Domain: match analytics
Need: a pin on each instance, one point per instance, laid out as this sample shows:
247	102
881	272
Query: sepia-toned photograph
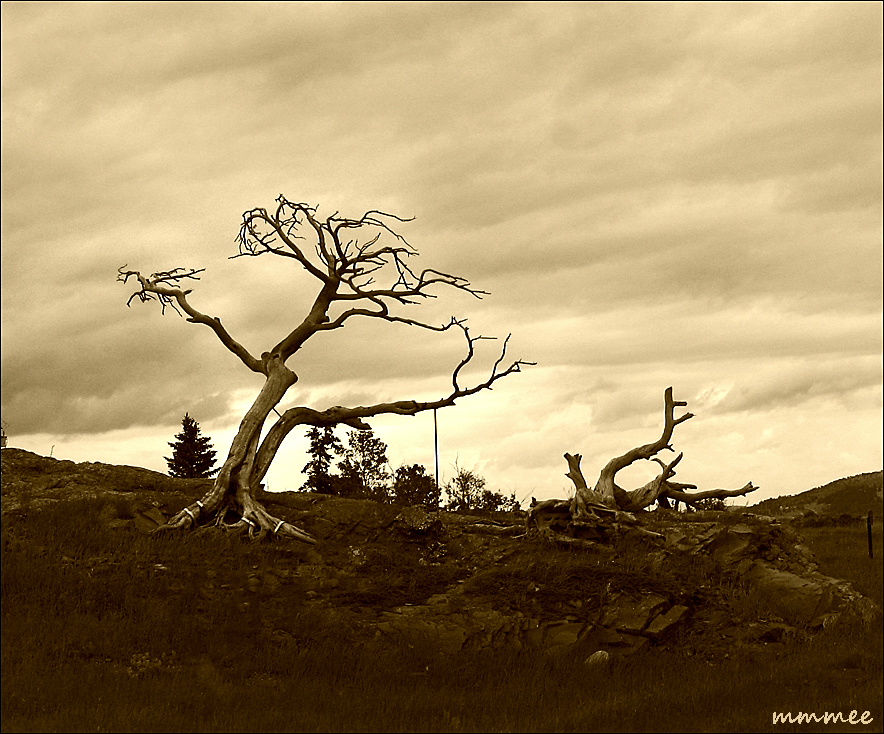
442	366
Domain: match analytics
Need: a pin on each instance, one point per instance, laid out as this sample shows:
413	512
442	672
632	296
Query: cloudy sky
684	194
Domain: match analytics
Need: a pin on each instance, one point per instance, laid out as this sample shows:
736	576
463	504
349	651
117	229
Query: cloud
850	381
685	194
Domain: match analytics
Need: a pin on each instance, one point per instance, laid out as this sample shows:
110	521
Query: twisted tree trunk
346	270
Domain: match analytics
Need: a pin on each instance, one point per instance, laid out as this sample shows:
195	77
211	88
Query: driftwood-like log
661	489
651	492
606	490
584	497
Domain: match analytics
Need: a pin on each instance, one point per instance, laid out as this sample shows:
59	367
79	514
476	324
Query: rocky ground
714	584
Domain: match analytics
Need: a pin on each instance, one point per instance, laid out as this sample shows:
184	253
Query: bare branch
470	352
679	485
606	486
574	472
148	293
355	417
670	422
260	231
347	268
644	496
152	288
674	492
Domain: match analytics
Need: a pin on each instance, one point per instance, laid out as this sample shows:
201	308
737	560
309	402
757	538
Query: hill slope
854	495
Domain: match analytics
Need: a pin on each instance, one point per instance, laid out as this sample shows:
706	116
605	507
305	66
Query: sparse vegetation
108	629
363	472
466	493
854	495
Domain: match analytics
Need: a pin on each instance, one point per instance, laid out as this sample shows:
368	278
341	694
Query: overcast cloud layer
653	194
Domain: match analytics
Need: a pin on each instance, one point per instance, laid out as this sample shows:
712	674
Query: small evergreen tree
192	454
324	446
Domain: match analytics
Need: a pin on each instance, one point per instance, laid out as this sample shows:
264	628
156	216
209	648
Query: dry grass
105	630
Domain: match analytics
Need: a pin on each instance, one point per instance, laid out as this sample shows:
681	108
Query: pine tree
192	454
324	445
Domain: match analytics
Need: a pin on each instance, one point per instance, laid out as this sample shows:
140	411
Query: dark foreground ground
106	628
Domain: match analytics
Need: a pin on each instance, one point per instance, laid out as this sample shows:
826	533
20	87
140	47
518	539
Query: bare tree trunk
239	479
346	269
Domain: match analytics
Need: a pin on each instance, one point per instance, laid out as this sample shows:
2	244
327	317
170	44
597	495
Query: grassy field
110	631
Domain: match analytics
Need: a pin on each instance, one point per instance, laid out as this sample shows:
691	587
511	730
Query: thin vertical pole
436	446
869	526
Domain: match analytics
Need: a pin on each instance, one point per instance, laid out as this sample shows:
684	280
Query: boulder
417	521
560	634
599	659
613	642
810	598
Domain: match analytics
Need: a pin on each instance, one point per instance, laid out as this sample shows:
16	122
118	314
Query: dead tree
346	270
607	498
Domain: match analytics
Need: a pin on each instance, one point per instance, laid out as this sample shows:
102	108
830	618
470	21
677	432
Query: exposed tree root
253	522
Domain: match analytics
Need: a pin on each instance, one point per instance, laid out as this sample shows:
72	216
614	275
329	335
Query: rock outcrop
453	582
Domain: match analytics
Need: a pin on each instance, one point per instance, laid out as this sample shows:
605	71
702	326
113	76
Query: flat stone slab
633	615
665	624
566	633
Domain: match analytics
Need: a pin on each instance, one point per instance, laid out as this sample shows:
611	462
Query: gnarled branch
153	288
606	487
690	498
645	496
355	417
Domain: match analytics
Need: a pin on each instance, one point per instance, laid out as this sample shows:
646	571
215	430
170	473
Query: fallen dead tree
606	502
